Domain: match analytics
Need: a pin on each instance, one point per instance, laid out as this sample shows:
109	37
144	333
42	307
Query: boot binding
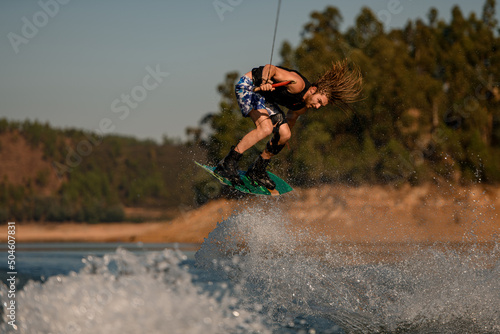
258	175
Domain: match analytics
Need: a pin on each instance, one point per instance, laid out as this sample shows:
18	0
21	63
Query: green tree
430	103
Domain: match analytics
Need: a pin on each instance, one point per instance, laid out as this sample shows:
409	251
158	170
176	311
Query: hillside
430	213
362	214
111	185
24	165
50	174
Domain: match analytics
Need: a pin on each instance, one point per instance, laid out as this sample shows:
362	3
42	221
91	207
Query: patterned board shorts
249	100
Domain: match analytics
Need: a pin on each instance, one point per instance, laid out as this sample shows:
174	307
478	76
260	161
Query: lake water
254	275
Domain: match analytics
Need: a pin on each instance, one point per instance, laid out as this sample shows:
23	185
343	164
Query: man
259	100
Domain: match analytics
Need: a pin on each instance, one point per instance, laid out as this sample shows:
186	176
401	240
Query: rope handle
278	84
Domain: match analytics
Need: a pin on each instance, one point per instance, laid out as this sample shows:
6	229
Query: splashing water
443	289
258	273
125	293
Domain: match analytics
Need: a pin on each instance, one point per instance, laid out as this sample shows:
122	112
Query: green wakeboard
249	187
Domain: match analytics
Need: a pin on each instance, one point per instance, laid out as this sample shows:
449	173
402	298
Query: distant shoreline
339	213
79	232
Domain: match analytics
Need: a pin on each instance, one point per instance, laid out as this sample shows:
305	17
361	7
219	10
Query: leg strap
272	146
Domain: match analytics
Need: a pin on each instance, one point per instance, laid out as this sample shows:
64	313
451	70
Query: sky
150	68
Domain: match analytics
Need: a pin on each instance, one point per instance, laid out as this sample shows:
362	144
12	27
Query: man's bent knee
265	128
285	136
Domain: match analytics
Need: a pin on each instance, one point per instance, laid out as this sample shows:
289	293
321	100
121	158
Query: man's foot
228	167
257	173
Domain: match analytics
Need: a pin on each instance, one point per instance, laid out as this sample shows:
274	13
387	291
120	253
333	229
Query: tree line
430	106
429	112
98	181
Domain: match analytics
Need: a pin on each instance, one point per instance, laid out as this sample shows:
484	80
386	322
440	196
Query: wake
295	275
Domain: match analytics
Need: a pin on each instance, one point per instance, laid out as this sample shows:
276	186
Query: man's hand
266	87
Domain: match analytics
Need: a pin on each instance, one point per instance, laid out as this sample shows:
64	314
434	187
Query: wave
126	293
258	273
295	274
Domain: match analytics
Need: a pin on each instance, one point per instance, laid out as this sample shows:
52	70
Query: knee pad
273	147
278	119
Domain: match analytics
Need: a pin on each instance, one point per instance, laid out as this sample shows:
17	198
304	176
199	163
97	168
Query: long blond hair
341	84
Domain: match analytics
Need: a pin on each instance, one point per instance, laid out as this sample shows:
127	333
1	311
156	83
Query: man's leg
257	171
263	128
228	167
278	142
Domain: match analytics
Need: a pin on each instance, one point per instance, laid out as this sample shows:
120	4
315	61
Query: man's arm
276	74
293	115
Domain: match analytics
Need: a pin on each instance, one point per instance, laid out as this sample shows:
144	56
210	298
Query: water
257	274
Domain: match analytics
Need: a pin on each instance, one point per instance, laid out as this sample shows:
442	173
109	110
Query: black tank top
280	95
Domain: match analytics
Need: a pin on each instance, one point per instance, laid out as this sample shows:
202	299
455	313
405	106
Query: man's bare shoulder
284	75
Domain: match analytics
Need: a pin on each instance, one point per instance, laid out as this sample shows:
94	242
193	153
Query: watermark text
10	306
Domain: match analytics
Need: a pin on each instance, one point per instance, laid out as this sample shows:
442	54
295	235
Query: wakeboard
249	187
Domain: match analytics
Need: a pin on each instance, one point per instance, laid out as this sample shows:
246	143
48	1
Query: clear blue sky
75	63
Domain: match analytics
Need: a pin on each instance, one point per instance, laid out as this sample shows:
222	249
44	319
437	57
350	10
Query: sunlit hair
341	84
